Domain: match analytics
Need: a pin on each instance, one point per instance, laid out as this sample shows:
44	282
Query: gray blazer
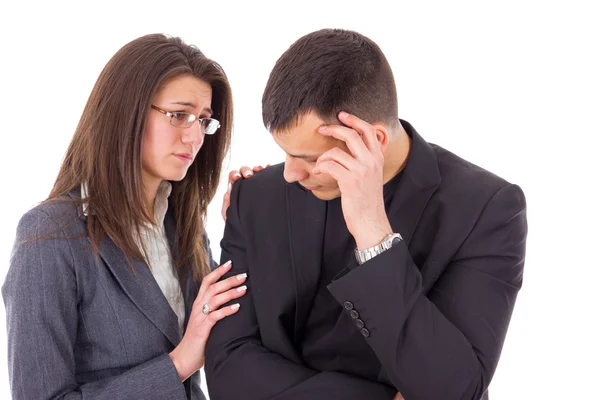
87	327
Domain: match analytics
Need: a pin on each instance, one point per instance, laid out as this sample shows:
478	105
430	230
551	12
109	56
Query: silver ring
206	309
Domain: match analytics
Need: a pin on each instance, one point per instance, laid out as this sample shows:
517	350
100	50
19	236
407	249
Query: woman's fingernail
322	128
344	114
237	175
235	306
241	276
242	288
227	264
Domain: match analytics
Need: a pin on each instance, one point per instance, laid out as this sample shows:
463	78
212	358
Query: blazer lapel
141	287
138	282
306	221
420	180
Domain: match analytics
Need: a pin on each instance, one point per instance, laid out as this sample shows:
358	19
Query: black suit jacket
436	307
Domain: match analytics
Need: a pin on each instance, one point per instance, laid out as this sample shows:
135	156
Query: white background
512	86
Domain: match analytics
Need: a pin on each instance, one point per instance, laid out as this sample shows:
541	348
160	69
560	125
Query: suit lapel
306	221
419	181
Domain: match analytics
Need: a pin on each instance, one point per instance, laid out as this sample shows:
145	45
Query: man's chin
326	194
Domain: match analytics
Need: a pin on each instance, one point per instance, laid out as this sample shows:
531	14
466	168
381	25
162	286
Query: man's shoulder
464	178
262	196
269	180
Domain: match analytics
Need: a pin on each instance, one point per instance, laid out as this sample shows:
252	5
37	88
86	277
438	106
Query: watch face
396	240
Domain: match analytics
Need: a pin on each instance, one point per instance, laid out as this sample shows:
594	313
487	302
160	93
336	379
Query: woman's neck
150	187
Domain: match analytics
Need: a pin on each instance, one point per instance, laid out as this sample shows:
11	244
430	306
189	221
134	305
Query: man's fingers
364	129
339	156
335	170
350	137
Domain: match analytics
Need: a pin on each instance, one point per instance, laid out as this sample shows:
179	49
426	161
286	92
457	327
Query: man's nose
294	170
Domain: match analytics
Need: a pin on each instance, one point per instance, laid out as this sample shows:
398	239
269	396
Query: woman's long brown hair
105	152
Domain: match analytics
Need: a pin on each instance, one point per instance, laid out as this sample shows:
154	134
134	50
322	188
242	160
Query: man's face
303	145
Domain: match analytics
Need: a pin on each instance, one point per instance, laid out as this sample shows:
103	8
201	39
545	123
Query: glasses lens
182	119
210	125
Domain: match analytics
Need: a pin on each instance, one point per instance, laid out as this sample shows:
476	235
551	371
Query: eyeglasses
180	119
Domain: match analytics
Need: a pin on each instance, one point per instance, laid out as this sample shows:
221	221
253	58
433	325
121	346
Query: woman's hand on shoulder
234	175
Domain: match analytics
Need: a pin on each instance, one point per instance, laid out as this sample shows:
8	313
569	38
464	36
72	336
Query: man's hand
360	178
398	396
234	175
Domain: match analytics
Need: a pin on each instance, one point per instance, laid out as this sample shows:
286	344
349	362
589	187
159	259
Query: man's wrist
362	256
370	238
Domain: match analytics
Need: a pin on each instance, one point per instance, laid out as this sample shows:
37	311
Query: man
379	265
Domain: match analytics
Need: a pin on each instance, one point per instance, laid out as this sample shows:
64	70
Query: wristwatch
362	256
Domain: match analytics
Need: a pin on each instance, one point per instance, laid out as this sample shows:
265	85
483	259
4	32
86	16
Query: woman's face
167	150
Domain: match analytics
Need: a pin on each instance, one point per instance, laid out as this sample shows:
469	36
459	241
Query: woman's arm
41	298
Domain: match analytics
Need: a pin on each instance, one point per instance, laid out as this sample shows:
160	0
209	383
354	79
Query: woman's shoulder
45	237
61	214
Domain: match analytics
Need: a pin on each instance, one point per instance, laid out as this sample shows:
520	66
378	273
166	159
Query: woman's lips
184	157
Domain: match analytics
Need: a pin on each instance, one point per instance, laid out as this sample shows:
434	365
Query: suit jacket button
365	332
360	323
354	314
348	306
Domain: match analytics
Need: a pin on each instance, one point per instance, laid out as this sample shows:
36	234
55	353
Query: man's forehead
304	141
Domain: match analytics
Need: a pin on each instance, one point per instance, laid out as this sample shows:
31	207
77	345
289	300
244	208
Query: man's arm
237	364
445	345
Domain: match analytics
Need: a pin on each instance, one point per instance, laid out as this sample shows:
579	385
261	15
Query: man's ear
383	135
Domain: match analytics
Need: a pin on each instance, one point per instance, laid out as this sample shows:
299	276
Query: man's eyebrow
192	105
305	156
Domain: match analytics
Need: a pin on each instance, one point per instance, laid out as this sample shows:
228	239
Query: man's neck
396	154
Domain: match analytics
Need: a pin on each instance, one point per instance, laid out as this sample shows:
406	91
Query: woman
103	278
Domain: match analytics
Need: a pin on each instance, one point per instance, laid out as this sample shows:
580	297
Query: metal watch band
365	255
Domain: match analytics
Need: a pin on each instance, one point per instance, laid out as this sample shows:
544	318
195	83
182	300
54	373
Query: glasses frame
171	114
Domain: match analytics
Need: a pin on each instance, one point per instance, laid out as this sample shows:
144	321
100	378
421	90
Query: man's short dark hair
329	71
